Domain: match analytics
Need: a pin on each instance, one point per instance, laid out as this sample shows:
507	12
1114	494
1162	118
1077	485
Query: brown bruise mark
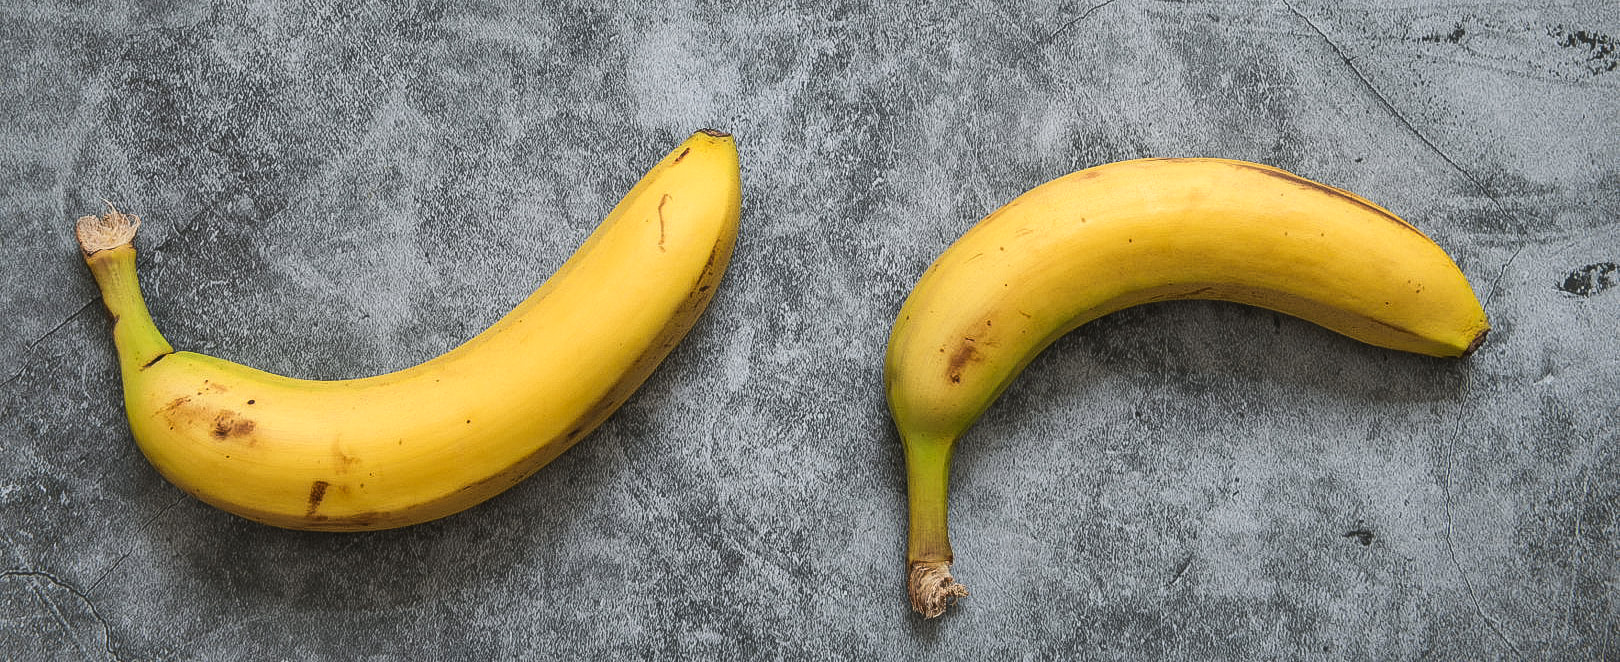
682	155
708	263
358	520
223	424
714	132
661	202
317	492
175	404
341	460
961	358
227	425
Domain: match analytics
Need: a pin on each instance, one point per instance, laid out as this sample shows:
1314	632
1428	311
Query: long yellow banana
1106	238
424	442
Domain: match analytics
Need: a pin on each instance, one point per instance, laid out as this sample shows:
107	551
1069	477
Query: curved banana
424	442
1114	236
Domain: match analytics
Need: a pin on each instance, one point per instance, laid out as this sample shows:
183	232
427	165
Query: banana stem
108	250
930	584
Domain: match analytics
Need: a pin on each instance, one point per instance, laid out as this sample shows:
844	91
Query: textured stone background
339	192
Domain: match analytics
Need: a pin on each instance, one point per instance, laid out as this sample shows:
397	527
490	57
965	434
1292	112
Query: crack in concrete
1399	116
106	628
139	530
1491	293
1451	540
61	621
1072	22
718	541
42	337
1181	571
188	227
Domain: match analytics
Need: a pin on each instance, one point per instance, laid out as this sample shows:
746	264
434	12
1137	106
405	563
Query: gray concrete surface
337	192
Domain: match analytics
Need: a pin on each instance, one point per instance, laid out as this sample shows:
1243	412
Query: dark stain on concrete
1599	51
1590	279
1456	35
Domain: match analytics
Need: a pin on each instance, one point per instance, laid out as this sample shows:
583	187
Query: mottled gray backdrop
340	192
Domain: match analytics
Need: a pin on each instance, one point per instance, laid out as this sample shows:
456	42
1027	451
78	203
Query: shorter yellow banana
1114	236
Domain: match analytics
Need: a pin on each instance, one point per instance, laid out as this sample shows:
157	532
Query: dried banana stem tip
110	230
933	588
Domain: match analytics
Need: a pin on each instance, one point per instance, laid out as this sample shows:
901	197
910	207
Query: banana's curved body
424	442
1114	236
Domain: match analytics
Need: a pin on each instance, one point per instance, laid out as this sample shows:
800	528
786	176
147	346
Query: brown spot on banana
964	355
361	520
341	461
661	202
317	492
227	425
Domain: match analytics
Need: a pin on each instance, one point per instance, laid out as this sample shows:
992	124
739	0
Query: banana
431	440
1117	235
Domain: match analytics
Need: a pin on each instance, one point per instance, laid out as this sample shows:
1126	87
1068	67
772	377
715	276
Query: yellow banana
1106	238
424	442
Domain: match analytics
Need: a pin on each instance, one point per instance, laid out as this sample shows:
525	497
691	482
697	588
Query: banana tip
1478	340
932	588
110	230
715	133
